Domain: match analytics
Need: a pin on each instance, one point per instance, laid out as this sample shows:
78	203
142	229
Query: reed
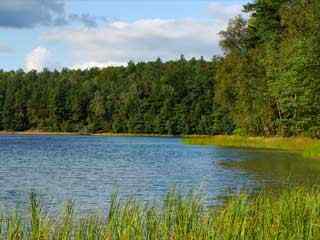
306	146
293	214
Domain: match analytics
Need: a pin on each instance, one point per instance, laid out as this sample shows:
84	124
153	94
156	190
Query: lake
87	169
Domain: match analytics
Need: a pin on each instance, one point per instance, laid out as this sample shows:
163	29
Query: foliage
268	80
162	98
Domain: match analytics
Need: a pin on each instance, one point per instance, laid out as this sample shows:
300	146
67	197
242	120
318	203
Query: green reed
291	214
307	146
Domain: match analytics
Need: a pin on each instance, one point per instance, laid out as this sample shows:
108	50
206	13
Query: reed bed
293	214
306	146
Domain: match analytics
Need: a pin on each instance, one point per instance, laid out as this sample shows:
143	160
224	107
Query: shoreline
44	133
307	147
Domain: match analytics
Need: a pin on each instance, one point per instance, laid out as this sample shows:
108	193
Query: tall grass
293	214
307	146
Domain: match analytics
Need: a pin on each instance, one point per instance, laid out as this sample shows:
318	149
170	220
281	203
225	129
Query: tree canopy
269	81
175	97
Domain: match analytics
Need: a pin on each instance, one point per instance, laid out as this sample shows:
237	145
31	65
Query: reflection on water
87	169
277	168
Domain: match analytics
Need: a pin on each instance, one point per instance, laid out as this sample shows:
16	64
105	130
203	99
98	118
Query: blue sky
79	34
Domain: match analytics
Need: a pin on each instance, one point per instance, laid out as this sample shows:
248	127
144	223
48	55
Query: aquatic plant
307	146
291	214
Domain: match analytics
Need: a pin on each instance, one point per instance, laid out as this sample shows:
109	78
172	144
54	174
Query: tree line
174	97
266	83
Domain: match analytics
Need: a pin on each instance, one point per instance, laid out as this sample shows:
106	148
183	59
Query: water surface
87	169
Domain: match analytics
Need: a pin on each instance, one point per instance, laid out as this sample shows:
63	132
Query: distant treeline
166	98
266	83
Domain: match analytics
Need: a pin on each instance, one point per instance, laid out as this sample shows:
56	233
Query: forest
162	98
269	79
267	82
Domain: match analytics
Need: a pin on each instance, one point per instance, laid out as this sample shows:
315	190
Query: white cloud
222	12
89	65
38	59
141	40
118	42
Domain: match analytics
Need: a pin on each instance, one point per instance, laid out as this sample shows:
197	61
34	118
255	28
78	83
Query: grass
293	214
307	146
313	151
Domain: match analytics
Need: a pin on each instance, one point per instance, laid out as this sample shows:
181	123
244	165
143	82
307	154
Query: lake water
87	169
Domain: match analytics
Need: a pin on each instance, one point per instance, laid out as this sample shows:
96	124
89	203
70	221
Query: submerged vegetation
293	214
307	146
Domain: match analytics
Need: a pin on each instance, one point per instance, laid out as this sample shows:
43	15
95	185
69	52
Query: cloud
140	40
222	12
145	39
38	59
86	19
4	49
88	65
32	13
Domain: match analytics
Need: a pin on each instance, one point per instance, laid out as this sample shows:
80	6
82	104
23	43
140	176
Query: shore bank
30	133
2	133
308	147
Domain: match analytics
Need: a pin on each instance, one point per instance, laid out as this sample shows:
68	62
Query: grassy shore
294	214
306	146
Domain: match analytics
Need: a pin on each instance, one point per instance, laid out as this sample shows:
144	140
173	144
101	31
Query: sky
80	34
